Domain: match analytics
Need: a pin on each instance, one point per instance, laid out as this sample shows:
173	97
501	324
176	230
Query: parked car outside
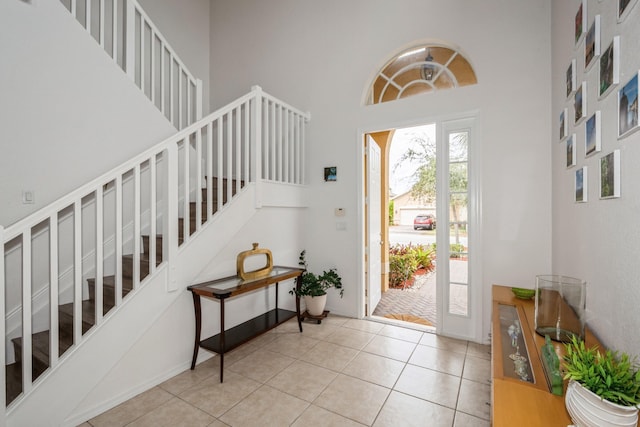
426	221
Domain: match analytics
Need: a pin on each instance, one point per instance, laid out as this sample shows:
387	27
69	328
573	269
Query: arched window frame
440	70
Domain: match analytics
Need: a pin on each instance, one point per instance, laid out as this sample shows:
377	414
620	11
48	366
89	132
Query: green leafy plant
316	285
424	256
405	260
456	250
611	375
401	268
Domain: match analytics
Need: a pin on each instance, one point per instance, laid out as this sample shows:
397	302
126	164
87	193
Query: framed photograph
624	7
592	44
331	174
610	67
592	135
628	107
571	151
581	21
580	103
571	78
610	175
563	124
581	187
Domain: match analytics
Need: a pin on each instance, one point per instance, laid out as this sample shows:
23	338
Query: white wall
67	112
185	25
598	241
166	348
320	56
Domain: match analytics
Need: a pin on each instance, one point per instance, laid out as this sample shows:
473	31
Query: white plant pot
587	409
315	305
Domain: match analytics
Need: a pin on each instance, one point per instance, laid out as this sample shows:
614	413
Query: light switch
28	197
339	212
341	226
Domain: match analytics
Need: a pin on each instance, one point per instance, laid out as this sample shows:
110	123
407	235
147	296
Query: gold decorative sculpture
255	274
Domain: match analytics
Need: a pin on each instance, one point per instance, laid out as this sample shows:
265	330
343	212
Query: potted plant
314	287
604	388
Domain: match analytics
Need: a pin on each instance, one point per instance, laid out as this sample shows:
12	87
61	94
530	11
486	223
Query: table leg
198	312
298	283
222	343
277	303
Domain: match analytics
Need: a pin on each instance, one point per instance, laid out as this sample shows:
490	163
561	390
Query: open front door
374	226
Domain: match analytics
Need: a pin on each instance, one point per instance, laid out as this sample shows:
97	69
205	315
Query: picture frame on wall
331	174
581	21
563	125
592	140
581	194
592	44
610	67
571	151
571	78
580	103
624	8
610	175
628	107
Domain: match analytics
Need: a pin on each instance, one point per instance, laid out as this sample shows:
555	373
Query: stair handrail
134	46
251	119
14	229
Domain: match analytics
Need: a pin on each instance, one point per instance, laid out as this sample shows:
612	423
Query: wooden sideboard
516	402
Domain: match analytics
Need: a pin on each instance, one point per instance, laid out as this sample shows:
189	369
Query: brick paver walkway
420	299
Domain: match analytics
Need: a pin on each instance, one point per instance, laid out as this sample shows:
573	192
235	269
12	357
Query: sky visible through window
401	178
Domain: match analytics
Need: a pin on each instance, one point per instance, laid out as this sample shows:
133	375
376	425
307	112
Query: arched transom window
420	70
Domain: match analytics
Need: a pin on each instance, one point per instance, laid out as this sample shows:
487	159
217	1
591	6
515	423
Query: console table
232	286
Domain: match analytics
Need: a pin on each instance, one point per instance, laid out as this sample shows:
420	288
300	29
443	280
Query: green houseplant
610	381
314	287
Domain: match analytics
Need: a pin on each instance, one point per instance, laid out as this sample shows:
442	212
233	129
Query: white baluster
152	213
209	169
170	219
130	39
220	170
53	290
136	226
118	243
27	331
185	202
98	284
77	269
198	179
238	136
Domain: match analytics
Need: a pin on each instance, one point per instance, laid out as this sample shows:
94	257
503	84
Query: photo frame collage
587	118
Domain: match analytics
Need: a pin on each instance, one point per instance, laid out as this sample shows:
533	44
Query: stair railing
132	40
94	233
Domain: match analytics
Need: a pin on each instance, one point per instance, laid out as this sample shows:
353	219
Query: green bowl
523	293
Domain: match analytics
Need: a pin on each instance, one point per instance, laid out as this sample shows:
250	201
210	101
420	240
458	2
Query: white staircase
116	249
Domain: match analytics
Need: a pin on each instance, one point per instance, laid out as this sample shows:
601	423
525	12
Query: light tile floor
344	372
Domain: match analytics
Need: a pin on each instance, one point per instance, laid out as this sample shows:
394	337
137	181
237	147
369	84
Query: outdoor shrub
404	260
401	268
456	250
424	256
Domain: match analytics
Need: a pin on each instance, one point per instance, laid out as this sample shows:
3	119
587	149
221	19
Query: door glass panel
458	201
458	299
458	147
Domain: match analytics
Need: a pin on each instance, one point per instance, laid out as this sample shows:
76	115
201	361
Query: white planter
587	409
315	305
